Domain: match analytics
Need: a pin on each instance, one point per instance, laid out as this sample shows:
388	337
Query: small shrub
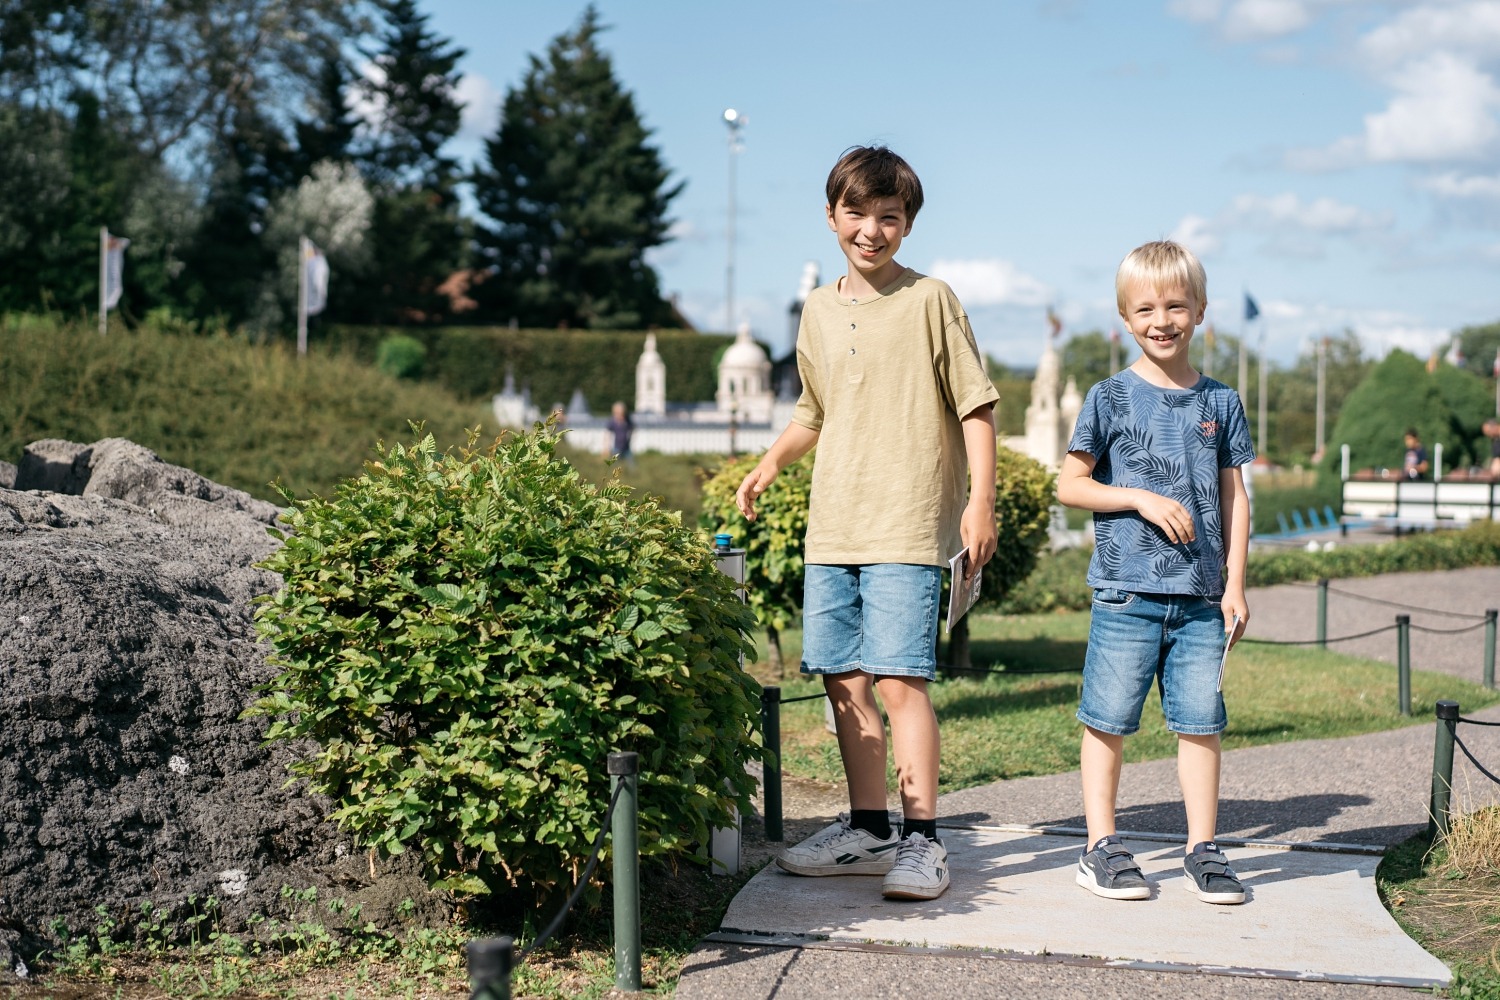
401	356
772	542
1058	583
1476	545
465	638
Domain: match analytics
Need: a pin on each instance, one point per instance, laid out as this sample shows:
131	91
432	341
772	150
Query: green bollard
1439	808
624	770
1489	648
1403	663
770	727
490	964
1323	613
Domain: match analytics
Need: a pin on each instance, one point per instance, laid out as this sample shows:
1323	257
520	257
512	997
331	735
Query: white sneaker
840	850
920	872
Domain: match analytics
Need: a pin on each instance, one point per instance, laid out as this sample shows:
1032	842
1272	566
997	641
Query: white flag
114	269
314	279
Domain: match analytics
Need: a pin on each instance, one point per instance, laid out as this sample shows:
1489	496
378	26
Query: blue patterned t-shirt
1172	442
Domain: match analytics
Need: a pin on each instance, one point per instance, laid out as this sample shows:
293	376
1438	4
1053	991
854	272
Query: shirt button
851	326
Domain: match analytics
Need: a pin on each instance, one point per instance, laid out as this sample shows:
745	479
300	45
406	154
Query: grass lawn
1447	897
1018	721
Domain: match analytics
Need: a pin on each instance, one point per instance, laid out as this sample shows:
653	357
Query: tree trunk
958	646
773	655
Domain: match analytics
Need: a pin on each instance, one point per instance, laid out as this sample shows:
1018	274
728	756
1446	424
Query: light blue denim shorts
881	619
1174	639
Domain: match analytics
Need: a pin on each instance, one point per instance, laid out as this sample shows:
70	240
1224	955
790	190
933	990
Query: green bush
772	542
1476	545
401	356
1024	494
465	638
1058	583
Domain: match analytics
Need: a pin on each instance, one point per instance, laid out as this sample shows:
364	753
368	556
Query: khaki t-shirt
885	381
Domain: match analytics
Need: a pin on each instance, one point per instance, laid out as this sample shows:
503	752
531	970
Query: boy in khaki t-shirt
896	398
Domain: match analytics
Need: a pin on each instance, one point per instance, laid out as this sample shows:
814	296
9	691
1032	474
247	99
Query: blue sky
1338	159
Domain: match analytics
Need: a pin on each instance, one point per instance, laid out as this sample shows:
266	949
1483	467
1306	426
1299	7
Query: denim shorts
1175	639
881	619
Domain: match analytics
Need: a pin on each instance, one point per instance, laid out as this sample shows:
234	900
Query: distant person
1492	431
895	396
1156	455
1414	466
621	428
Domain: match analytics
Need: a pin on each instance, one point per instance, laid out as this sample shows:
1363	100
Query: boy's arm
1234	516
792	444
1076	487
977	529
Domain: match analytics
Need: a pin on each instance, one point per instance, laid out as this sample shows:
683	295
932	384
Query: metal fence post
624	770
770	726
490	964
1323	613
1440	807
1403	663
1489	647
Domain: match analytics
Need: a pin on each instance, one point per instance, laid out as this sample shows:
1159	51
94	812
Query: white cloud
1198	234
991	282
1297	226
1197	11
481	101
1443	111
1471	29
1258	20
1453	185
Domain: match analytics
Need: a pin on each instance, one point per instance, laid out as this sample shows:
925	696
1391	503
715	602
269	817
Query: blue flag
1251	309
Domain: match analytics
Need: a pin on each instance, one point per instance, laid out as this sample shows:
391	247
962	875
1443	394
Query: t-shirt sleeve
969	386
1089	432
1235	448
809	409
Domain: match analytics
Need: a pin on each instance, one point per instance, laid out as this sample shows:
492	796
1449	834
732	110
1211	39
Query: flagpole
103	279
1322	397
302	295
1260	443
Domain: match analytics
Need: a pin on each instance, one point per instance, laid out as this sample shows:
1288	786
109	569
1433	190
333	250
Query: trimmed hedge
471	361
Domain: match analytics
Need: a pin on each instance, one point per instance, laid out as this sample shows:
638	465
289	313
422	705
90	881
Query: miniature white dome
744	354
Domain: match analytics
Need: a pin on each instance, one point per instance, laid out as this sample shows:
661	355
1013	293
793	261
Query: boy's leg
861	735
1195	712
1124	650
1099	766
916	743
1198	772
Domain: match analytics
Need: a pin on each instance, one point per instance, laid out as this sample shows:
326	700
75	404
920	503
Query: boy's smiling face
869	235
1162	321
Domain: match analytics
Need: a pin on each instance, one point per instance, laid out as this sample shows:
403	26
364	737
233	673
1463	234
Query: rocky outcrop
128	655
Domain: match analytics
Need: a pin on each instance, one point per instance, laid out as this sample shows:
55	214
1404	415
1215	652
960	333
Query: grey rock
127	655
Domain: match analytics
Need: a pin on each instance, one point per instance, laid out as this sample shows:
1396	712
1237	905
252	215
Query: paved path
993	935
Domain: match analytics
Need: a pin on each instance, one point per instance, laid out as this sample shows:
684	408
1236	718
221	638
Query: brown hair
865	173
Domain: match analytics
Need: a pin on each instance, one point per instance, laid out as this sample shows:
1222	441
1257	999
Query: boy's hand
754	485
1167	514
977	529
1234	604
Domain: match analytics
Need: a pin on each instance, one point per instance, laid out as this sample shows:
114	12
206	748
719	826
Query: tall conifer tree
577	196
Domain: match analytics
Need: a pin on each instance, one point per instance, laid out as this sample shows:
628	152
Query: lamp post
735	121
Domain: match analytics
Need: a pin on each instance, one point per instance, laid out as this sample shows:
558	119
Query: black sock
876	822
926	827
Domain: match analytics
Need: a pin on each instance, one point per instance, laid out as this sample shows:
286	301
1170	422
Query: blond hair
1162	264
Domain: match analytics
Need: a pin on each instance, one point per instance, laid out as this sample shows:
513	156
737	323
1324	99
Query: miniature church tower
1050	419
651	380
745	381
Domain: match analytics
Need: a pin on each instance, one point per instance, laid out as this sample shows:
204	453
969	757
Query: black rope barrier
1448	631
1314	642
1477	722
1404	607
805	697
1458	742
583	882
